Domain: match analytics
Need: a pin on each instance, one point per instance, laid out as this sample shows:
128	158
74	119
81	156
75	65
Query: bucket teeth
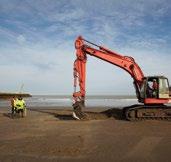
78	114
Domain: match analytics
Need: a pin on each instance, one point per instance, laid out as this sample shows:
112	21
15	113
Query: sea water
66	101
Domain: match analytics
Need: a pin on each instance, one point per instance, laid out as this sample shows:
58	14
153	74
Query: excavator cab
155	87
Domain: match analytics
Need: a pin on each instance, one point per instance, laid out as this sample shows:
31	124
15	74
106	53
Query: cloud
37	41
21	39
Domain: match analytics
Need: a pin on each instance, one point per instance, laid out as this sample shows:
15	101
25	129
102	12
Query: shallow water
66	101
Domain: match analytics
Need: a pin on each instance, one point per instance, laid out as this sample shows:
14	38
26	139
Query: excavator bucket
78	114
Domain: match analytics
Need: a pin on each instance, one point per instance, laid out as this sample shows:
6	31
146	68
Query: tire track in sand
145	147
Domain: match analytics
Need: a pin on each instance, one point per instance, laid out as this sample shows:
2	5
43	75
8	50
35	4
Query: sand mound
115	113
90	115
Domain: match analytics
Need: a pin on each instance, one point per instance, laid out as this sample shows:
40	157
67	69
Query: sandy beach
53	135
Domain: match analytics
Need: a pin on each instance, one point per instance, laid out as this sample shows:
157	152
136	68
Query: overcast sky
37	42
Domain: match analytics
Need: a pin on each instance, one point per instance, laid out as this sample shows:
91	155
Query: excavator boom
127	63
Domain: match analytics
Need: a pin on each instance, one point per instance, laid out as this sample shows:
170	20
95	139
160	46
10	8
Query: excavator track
147	112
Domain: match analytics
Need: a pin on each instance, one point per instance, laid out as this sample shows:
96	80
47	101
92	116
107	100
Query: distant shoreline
9	95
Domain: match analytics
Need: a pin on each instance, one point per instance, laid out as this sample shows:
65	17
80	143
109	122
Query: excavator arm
83	49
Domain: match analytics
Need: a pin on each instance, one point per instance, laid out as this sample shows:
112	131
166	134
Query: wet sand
53	135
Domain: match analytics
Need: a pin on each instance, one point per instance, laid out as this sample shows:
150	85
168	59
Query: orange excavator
153	92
